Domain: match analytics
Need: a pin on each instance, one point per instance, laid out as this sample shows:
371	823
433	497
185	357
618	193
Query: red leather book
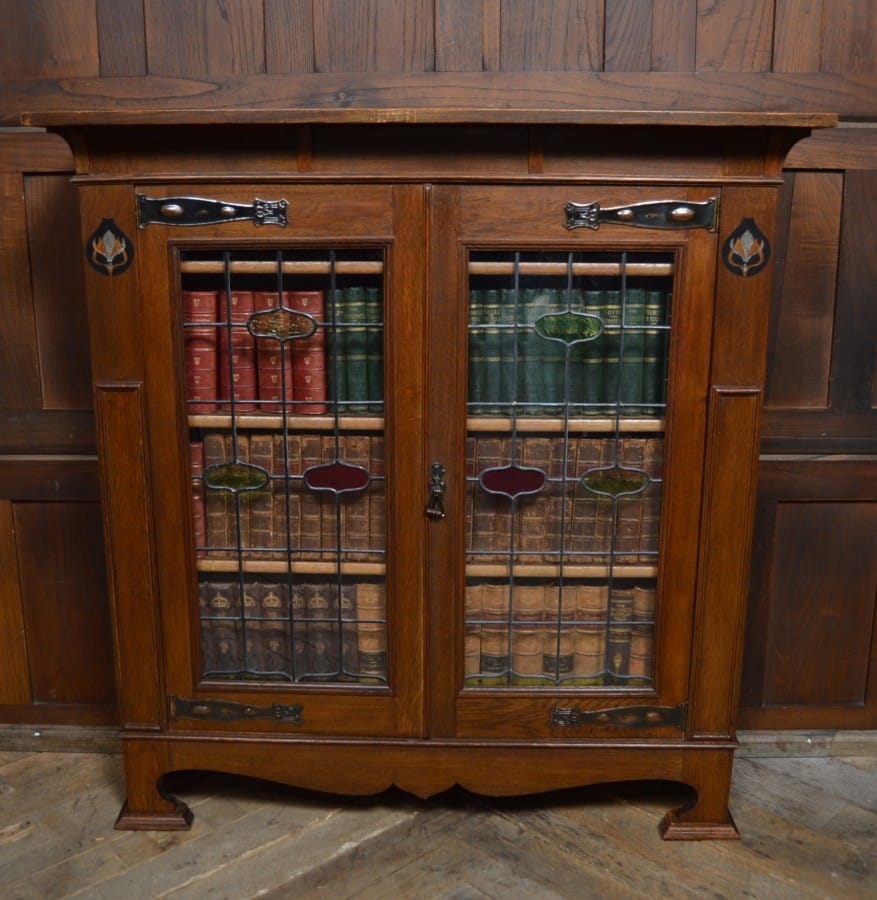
200	350
310	387
237	351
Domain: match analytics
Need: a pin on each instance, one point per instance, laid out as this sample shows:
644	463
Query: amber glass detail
568	327
513	481
337	477
616	481
235	476
281	324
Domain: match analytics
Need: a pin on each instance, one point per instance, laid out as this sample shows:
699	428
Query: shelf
297	567
553	570
270	267
273	422
563	269
540	425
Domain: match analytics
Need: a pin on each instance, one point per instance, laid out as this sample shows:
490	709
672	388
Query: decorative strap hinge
204	211
621	716
229	711
660	214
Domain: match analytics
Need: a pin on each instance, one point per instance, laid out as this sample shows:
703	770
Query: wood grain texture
65	602
818	653
289	28
58	291
121	33
804	307
372	36
566	35
628	36
850	36
204	38
674	28
734	35
460	35
19	365
15	686
798	35
55	38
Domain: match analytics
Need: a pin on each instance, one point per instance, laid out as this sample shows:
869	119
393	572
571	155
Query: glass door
578	532
296	599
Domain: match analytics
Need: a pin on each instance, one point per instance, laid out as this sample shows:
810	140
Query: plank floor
809	829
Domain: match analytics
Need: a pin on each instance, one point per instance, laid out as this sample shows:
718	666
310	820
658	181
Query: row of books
588	634
285	516
565	519
303	631
597	351
275	354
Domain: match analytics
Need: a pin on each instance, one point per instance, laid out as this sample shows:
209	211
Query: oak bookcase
428	451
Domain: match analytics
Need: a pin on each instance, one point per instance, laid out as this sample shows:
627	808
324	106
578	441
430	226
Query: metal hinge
204	211
660	214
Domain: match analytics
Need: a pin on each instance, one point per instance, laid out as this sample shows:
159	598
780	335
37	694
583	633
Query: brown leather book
200	343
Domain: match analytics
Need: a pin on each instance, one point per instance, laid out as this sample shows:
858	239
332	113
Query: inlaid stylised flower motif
746	250
108	249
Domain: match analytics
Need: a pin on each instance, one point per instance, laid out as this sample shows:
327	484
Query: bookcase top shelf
288	267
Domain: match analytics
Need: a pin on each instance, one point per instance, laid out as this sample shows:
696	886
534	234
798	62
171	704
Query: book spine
533	350
508	363
311	507
554	352
237	447
477	360
491	515
324	658
610	345
276	650
592	607
642	635
356	513
286	494
355	344
654	352
216	502
371	631
261	501
331	505
472	629
237	352
299	628
528	633
199	508
495	662
224	616
591	358
620	615
632	342
533	512
251	627
629	507
650	525
374	313
557	500
491	344
349	632
558	656
377	500
273	363
310	384
200	309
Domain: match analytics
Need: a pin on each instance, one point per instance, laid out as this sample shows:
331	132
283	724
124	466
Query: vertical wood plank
797	44
48	39
289	36
850	37
58	291
204	37
459	35
492	35
853	369
374	36
674	28
801	359
15	689
19	372
121	33
566	35
65	601
734	35
628	36
824	585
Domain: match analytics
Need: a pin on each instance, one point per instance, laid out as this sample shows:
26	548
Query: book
472	629
374	314
356	512
508	362
223	649
261	502
217	503
558	657
323	636
655	355
310	502
273	362
477	363
200	350
287	494
528	633
532	531
377	500
237	352
492	348
491	513
199	508
631	351
495	662
371	631
629	507
251	628
619	631
276	636
310	384
642	635
592	608
650	513
590	358
354	352
610	348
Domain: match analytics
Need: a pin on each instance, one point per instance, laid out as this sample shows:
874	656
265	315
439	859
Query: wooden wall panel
14	681
811	641
798	31
628	42
674	28
566	35
460	34
121	33
289	36
203	37
58	292
850	36
64	592
19	371
48	39
805	276
734	35
373	36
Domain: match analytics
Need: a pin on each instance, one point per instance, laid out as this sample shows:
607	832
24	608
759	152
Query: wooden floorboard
809	829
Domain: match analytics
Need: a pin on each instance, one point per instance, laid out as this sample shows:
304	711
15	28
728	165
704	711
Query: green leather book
590	358
654	352
477	362
554	352
610	345
374	313
532	351
632	337
356	349
508	368
492	351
